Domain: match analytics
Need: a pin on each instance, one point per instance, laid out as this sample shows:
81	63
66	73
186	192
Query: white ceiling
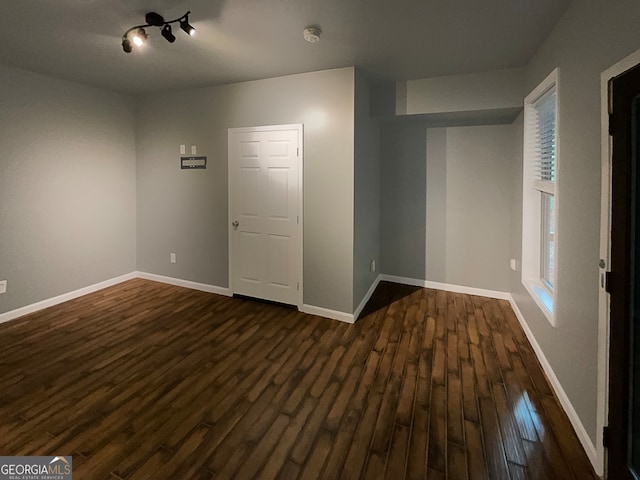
240	40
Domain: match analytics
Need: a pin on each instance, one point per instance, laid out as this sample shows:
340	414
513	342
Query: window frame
533	192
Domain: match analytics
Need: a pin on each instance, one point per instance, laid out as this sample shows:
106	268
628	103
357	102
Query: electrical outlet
513	264
194	150
172	258
373	265
183	149
3	286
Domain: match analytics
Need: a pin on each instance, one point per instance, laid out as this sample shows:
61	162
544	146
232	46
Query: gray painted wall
436	235
446	204
474	202
67	187
592	36
366	220
186	211
403	209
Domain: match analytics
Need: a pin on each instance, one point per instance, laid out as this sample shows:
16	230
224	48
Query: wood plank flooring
145	380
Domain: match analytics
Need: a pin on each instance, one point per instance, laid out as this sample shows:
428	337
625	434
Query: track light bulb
168	34
139	37
184	25
126	45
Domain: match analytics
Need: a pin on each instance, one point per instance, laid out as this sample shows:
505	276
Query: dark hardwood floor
145	380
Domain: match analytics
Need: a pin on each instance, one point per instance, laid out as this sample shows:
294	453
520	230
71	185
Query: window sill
543	298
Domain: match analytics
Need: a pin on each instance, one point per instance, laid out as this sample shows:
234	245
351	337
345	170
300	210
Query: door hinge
298	219
609	279
298	287
606	437
298	152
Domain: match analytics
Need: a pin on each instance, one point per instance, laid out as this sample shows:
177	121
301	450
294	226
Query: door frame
605	254
270	128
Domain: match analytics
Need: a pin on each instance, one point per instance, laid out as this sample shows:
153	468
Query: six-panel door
265	232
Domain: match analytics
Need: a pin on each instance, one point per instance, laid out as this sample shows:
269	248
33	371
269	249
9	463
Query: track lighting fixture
136	36
184	25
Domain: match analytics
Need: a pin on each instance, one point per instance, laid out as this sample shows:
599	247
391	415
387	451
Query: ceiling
239	40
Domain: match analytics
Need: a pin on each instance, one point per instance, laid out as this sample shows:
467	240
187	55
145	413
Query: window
539	199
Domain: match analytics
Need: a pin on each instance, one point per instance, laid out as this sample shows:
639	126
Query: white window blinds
542	125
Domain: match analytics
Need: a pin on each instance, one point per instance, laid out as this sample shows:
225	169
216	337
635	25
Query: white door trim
605	254
271	128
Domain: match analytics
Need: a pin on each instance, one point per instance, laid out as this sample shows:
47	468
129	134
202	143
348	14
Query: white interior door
265	239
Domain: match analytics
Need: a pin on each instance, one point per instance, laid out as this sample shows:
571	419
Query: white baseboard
50	302
583	436
366	298
342	316
327	313
65	297
480	292
309	309
185	283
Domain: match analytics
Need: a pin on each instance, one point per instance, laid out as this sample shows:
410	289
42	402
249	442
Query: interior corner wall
366	231
403	200
67	187
185	211
590	37
446	204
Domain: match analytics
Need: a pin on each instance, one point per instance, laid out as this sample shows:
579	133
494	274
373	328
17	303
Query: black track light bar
136	36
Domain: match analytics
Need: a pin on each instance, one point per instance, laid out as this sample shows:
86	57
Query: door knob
235	224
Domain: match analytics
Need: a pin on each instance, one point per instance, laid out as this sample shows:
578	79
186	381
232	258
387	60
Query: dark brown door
624	284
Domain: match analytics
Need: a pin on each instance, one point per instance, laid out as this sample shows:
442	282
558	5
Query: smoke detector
312	34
